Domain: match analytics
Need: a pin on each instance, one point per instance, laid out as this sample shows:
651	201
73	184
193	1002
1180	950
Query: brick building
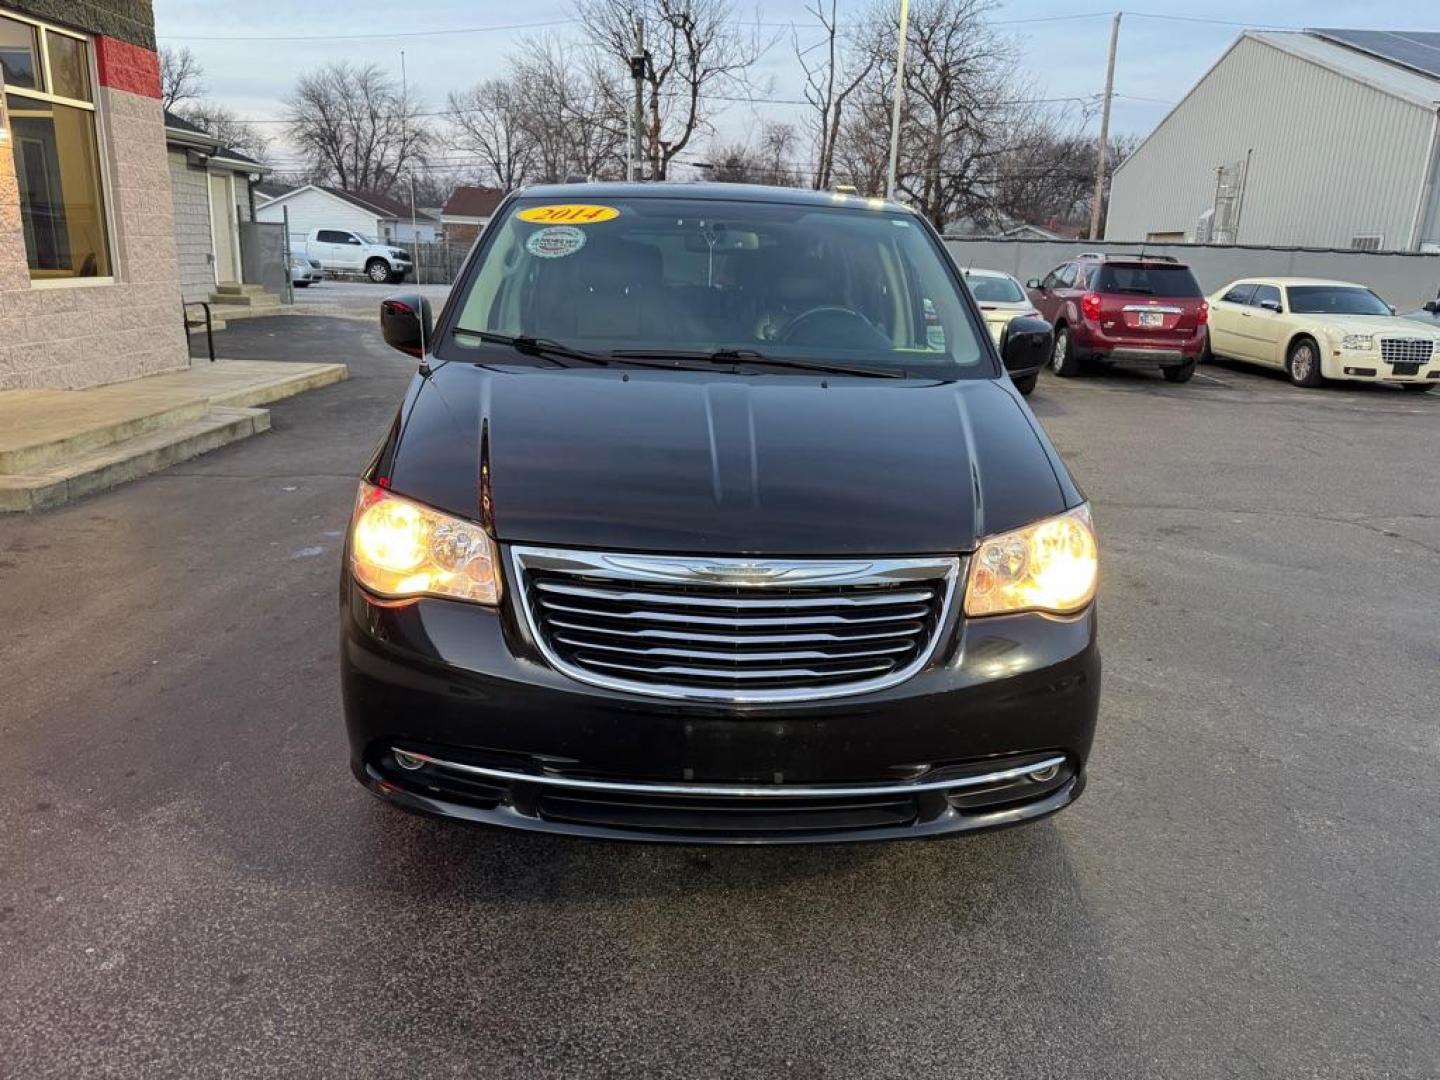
89	286
467	212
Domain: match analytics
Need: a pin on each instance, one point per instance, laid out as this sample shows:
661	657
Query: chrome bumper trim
784	791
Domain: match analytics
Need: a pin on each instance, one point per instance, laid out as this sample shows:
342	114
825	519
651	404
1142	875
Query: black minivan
712	516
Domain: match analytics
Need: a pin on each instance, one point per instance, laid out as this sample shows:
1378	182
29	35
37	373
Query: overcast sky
249	64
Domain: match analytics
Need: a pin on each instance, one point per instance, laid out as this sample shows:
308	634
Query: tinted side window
1240	294
1263	293
330	236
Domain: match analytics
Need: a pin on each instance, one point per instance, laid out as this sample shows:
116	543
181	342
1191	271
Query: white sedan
1001	298
1315	330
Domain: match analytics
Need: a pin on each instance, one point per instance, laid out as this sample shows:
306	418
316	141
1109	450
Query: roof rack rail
1146	255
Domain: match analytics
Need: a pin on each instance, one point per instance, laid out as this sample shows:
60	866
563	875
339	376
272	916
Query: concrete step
67	425
261	299
234	288
146	453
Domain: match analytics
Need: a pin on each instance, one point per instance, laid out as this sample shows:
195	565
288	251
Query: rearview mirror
1025	345
406	323
1034	283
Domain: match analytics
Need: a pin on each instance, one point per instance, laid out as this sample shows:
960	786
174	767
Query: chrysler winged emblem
739	572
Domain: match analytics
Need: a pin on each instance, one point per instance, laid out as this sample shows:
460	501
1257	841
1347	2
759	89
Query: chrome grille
1406	350
741	630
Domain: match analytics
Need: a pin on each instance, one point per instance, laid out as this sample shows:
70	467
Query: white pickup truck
345	252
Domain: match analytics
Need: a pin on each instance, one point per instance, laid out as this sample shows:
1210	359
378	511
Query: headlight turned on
402	550
1050	566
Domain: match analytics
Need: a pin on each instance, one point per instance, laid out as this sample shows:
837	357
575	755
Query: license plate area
1405	369
1151	320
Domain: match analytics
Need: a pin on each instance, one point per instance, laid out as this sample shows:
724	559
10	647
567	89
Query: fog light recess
1045	775
408	761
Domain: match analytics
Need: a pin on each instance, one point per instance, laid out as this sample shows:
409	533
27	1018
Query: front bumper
503	739
1365	365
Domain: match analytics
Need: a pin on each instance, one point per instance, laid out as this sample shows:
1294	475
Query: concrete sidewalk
57	445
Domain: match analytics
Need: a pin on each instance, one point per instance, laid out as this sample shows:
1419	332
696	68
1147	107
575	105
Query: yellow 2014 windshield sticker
568	214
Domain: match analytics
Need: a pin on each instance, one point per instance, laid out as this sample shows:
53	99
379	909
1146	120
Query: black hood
640	460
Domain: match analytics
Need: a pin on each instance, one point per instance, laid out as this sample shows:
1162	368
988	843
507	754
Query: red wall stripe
132	68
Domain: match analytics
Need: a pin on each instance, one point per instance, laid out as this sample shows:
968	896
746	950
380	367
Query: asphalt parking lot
191	884
358	297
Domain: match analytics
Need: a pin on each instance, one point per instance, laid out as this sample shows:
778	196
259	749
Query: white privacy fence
1405	279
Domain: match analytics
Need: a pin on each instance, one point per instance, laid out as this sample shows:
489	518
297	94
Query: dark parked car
695	526
1138	311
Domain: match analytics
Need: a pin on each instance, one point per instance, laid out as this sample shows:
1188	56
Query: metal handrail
188	323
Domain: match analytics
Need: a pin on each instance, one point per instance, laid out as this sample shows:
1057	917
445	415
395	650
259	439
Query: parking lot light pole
636	169
1102	157
899	97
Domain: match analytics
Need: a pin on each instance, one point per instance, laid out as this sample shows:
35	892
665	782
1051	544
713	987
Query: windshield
994	290
688	277
1147	280
1335	300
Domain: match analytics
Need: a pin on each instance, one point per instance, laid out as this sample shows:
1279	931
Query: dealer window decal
568	214
555	242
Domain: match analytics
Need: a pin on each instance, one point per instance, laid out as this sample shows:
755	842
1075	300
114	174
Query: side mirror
1025	345
1271	305
1432	306
406	323
1034	283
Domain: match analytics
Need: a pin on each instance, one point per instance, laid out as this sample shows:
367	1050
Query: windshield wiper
533	346
731	356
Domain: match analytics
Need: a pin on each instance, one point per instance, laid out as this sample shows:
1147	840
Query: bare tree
696	54
491	121
182	90
350	125
182	78
1047	176
835	68
960	102
576	120
778	143
734	163
228	129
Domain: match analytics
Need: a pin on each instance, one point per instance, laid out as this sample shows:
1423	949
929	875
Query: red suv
1142	311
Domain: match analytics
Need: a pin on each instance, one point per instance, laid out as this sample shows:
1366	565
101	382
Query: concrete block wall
82	334
1405	279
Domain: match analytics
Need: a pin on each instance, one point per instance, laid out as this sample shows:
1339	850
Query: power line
760	23
729	98
356	37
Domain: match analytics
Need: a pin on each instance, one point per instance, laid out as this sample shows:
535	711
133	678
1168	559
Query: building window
1368	242
51	109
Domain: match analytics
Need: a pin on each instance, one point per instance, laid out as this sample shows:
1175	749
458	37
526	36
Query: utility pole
1102	158
638	63
899	98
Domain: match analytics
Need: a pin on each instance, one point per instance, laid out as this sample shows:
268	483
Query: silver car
304	271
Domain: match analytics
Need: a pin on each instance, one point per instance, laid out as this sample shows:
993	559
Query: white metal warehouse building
1316	138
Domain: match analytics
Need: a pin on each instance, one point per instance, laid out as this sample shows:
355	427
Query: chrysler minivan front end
692	528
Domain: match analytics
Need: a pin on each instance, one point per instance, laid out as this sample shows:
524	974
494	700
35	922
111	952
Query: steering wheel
833	326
